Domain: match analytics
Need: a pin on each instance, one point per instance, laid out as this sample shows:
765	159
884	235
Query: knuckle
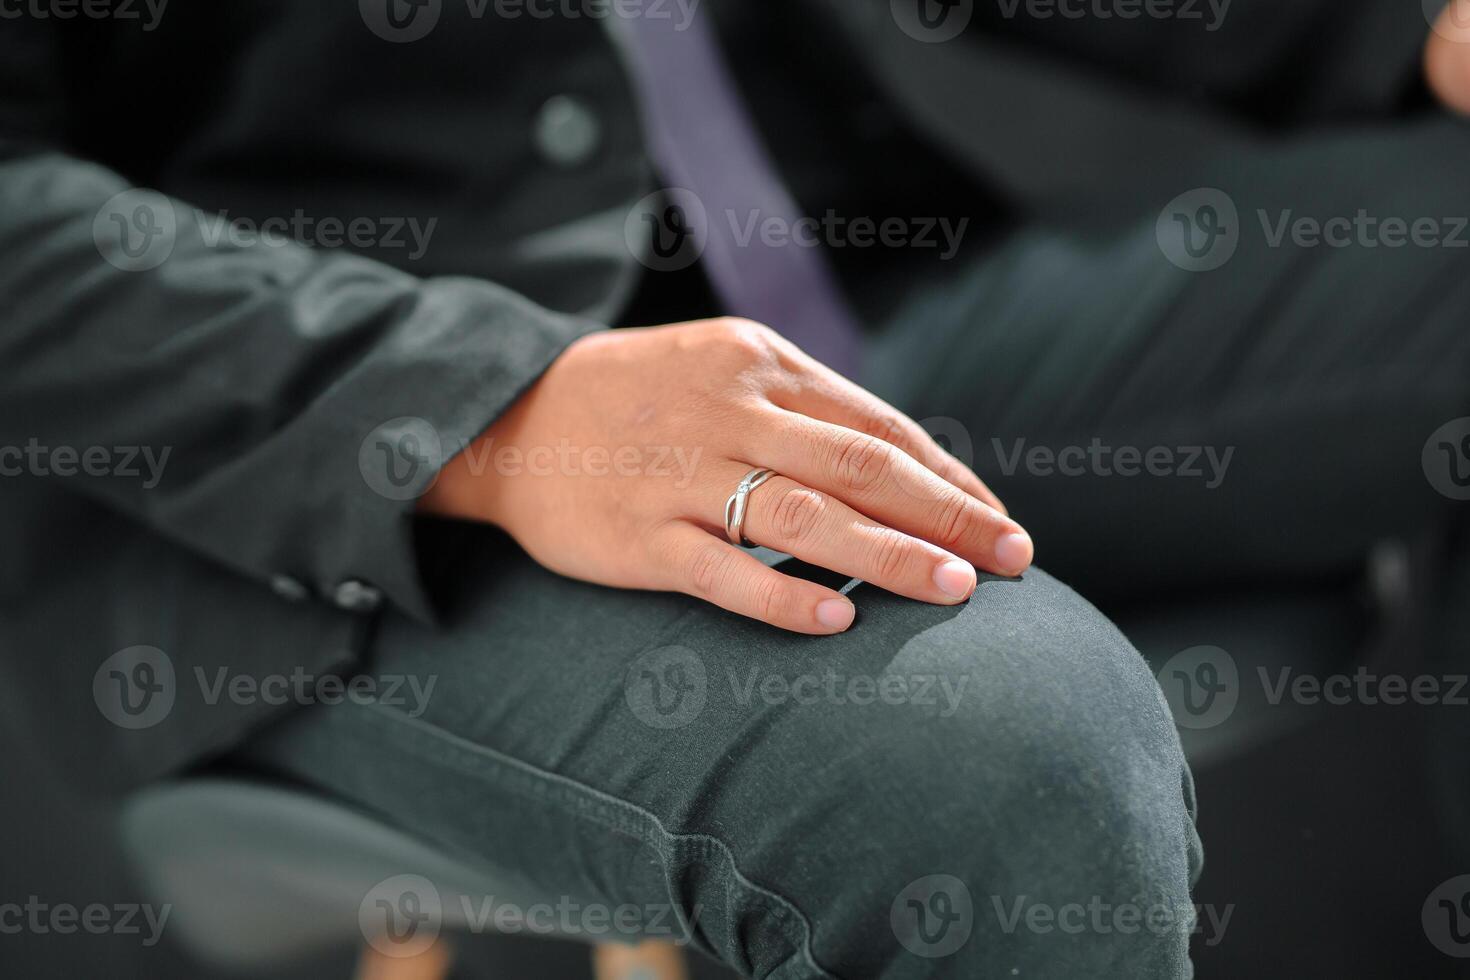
664	551
771	599
741	326
744	337
797	513
861	462
706	569
887	426
890	556
959	474
956	521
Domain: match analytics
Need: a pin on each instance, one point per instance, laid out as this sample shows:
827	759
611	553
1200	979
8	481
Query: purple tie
704	141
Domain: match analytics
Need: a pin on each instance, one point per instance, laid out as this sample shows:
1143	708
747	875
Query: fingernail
1013	552
955	578
835	614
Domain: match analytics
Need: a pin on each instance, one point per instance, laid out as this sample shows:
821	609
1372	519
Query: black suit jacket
267	371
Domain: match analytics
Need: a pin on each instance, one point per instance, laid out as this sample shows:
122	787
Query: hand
616	465
1447	57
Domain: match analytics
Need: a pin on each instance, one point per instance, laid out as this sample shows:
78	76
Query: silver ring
735	506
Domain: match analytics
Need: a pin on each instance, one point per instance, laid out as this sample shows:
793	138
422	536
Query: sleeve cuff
463	355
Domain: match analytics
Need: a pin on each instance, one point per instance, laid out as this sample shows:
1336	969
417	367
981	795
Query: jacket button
567	131
288	588
355	596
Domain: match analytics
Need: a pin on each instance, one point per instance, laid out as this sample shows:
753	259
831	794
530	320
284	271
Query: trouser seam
588	802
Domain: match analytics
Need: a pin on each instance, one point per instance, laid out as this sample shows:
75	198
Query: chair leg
650	960
431	964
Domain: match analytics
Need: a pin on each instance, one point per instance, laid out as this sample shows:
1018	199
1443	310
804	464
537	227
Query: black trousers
939	792
1300	394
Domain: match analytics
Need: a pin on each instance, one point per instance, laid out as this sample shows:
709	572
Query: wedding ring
735	506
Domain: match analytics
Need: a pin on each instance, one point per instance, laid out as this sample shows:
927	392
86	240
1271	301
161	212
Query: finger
822	393
828	396
885	483
708	568
822	530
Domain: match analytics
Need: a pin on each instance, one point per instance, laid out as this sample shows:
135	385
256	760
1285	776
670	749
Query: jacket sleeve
274	407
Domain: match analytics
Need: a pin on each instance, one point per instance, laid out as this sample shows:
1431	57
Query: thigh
1263	413
776	794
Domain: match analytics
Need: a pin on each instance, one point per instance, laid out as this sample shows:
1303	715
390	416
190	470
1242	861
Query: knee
1053	728
1071	806
1025	710
1033	775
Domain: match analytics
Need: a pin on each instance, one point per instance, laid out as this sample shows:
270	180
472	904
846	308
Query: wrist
465	491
